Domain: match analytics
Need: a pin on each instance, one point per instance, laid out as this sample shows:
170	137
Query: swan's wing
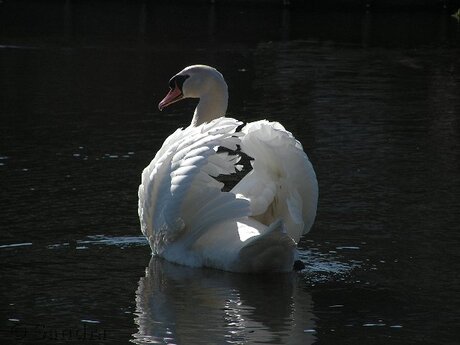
282	183
178	197
154	181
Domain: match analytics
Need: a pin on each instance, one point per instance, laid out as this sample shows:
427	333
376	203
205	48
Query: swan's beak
173	96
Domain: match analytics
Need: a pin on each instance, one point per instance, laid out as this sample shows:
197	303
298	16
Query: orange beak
173	96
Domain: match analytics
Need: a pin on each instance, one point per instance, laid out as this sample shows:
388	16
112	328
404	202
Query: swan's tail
282	183
272	251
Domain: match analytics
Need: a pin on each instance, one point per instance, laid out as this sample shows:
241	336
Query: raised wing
282	184
178	197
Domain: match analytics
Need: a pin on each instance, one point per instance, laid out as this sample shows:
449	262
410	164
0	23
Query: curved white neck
212	105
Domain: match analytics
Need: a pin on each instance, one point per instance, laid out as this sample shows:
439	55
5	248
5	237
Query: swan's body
184	213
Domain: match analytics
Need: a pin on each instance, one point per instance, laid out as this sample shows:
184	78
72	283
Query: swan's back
189	220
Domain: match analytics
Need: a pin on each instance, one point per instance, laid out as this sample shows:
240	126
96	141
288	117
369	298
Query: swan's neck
212	105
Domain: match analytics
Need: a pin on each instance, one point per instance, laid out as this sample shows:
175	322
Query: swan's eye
172	83
178	81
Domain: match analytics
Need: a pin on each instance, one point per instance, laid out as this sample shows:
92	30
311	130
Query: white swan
183	211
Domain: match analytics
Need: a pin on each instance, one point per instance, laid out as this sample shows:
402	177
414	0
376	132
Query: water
373	97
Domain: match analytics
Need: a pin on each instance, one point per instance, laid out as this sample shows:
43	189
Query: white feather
177	197
189	220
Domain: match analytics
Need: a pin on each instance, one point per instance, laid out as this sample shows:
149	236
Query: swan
184	213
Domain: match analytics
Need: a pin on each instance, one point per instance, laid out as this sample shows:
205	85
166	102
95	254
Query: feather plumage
189	220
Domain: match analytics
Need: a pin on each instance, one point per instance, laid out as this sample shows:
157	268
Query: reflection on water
180	305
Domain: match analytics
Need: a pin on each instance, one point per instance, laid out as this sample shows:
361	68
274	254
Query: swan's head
197	81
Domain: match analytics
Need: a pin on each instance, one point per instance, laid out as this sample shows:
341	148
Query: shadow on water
180	305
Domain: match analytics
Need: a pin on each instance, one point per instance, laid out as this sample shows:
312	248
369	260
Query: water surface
373	97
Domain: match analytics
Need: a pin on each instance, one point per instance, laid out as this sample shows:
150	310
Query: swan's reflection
181	305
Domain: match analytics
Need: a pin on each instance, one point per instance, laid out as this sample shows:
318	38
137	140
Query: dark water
373	97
